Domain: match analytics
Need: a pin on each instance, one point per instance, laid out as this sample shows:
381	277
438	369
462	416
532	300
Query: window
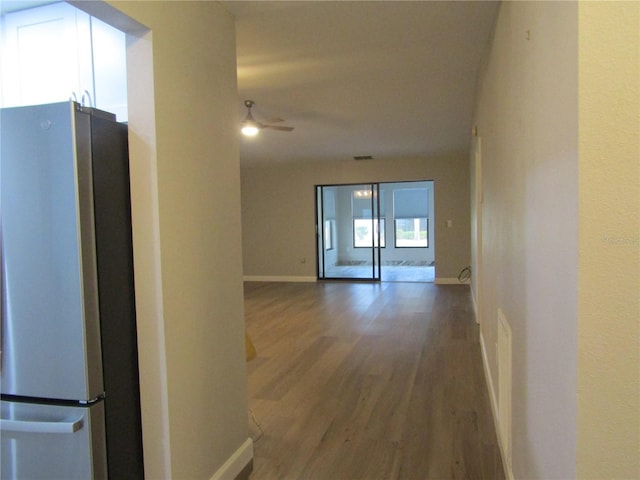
365	232
412	232
329	234
410	212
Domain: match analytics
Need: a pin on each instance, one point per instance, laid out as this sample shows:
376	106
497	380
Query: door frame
476	227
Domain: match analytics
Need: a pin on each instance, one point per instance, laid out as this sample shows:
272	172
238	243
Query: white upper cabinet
109	68
46	55
57	52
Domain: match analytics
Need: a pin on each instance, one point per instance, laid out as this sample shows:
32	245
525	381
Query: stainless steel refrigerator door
52	442
50	324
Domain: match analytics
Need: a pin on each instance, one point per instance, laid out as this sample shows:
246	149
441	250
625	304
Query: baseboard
494	406
278	278
237	463
246	472
449	281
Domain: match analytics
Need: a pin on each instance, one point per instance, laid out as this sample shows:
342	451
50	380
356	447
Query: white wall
527	118
278	224
558	118
608	443
186	221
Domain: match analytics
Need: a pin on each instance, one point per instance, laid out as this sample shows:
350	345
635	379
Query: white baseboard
449	281
279	278
236	462
494	406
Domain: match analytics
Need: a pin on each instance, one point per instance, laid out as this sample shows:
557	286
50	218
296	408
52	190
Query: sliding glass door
350	231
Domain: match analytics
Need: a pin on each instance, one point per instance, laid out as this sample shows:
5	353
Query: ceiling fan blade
277	127
274	120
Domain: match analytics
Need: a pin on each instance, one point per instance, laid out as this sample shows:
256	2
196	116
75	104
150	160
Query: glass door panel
350	231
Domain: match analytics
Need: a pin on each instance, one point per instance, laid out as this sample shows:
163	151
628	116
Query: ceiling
390	79
8	6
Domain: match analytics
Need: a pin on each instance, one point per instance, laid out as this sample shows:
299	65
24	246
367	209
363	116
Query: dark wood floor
367	381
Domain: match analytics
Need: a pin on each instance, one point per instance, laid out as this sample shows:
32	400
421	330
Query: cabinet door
46	55
109	68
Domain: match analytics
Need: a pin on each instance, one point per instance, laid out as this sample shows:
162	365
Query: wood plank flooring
367	381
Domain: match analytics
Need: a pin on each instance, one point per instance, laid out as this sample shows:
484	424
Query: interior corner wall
527	118
609	264
187	248
278	204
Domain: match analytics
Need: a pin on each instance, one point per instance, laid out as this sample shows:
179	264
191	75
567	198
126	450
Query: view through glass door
377	231
350	231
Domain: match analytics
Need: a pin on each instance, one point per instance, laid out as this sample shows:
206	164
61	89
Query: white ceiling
391	79
8	6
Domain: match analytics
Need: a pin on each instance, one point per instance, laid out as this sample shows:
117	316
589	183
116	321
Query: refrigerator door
52	442
50	321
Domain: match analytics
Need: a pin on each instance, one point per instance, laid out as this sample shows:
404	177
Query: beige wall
527	118
558	116
278	205
186	220
609	241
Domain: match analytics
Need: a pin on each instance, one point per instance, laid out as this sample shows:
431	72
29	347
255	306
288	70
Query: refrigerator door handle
31	426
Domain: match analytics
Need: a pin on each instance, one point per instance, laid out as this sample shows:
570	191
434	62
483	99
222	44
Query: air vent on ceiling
363	157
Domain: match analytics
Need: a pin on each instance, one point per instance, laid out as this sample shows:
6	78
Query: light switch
449	223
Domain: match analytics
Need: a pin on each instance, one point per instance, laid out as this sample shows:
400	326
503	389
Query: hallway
367	381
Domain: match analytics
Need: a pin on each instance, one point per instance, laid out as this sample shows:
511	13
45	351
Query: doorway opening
131	98
376	231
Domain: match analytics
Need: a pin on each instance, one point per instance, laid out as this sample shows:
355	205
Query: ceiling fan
251	127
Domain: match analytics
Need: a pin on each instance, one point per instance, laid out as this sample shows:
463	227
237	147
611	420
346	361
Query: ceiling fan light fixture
249	130
362	194
251	127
